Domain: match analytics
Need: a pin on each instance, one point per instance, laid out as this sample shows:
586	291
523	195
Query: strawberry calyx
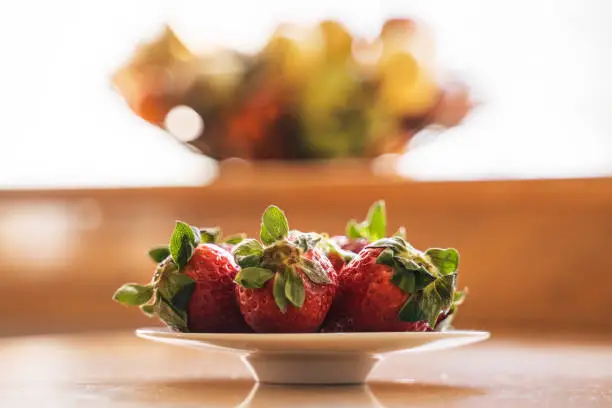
329	247
446	319
373	228
170	289
280	255
208	235
428	277
214	235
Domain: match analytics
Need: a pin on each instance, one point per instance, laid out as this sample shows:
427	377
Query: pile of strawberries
290	281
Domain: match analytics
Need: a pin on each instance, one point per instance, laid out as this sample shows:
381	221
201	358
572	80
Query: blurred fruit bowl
315	92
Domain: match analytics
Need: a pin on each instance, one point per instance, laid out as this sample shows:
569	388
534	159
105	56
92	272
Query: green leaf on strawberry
438	296
459	297
428	303
214	235
176	319
265	236
133	294
314	271
329	247
446	320
410	264
409	271
401	232
250	261
183	241
294	289
197	236
306	241
278	291
210	235
405	281
386	257
148	310
274	225
397	244
373	228
248	253
446	260
377	221
168	294
176	288
354	231
234	239
411	311
159	253
253	277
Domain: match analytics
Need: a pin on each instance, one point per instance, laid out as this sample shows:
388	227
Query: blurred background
484	126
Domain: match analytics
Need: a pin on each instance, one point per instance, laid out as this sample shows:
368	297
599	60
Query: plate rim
165	332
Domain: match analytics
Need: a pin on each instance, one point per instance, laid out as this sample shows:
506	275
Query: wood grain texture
534	254
119	370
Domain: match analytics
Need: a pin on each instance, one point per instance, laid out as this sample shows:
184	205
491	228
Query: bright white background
543	69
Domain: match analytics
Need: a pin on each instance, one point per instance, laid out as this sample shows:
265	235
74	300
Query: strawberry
340	249
286	284
336	255
391	286
192	288
354	245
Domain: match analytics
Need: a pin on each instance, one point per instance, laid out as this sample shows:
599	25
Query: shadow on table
245	393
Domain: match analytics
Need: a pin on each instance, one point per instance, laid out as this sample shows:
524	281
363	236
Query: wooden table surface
119	370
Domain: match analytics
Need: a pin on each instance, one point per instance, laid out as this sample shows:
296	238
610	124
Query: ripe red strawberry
354	245
192	288
212	306
336	255
336	260
390	286
286	286
358	235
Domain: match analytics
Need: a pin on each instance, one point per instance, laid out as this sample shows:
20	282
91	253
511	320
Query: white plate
315	358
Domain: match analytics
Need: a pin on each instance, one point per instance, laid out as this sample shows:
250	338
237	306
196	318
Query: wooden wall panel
535	254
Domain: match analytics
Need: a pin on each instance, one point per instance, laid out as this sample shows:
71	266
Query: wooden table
119	370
